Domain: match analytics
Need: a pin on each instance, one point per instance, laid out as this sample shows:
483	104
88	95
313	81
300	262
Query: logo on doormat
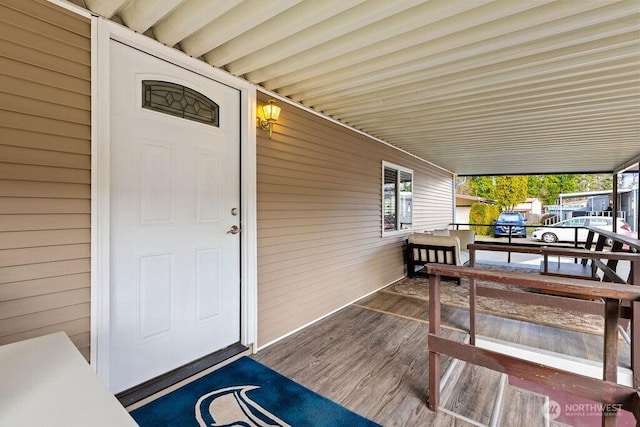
231	406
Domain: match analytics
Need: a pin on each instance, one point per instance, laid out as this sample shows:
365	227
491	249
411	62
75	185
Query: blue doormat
245	393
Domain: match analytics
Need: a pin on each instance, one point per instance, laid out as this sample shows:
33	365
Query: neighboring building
597	203
463	208
531	209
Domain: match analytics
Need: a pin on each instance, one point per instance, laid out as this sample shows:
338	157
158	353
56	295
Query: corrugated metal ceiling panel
475	86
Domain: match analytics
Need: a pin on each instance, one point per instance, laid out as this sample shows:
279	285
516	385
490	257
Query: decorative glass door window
179	101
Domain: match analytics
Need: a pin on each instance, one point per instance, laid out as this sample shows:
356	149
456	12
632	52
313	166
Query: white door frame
102	32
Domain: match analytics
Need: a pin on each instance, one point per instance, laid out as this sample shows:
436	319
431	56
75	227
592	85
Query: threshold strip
159	385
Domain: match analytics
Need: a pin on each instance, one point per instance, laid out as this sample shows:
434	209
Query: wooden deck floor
373	363
372	358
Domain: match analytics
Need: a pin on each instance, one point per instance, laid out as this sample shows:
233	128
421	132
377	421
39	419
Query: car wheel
609	242
549	238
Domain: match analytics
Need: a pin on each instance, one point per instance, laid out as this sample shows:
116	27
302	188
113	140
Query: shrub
482	213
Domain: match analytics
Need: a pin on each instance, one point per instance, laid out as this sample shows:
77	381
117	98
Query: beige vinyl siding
45	172
319	218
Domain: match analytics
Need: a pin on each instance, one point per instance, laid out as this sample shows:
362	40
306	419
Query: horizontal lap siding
45	172
319	218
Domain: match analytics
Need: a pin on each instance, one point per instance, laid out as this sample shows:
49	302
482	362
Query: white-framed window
397	199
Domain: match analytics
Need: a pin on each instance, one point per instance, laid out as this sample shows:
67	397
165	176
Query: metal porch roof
475	86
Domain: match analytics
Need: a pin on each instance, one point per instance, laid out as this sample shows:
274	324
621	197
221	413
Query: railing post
610	358
587	245
634	279
509	253
635	343
472	299
434	329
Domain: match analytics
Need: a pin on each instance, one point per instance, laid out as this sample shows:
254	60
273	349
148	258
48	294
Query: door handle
234	229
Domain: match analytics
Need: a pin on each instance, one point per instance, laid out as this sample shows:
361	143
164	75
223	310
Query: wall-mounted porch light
270	113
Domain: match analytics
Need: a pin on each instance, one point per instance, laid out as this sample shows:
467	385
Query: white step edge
496	413
559	361
446	376
461	417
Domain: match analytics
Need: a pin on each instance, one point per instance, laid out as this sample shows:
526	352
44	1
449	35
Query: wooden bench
448	249
420	255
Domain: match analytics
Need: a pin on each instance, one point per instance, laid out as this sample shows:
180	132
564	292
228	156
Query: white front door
175	194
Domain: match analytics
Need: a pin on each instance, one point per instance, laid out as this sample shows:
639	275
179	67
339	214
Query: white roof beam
289	22
410	24
456	47
284	76
190	17
588	126
494	36
523	91
429	118
434	113
592	143
477	66
471	109
562	141
595	131
352	19
364	120
601	58
106	8
553	82
627	165
236	21
140	15
419	58
489	137
611	110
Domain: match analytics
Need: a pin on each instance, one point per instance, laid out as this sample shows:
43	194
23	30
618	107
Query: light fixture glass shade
271	111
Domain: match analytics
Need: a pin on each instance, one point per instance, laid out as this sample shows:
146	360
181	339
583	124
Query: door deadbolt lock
234	211
234	229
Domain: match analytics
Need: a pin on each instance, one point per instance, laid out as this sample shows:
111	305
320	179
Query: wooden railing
596	241
606	391
580	255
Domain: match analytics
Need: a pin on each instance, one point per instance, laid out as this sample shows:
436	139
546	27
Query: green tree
545	187
548	187
483	186
511	190
535	184
594	182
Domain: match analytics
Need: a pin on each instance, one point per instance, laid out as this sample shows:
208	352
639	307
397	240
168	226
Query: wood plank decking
371	357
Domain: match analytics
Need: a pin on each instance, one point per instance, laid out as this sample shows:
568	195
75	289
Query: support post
472	311
472	300
635	343
434	329
610	357
615	203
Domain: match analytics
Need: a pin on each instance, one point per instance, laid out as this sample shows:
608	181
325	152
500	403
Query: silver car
564	231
